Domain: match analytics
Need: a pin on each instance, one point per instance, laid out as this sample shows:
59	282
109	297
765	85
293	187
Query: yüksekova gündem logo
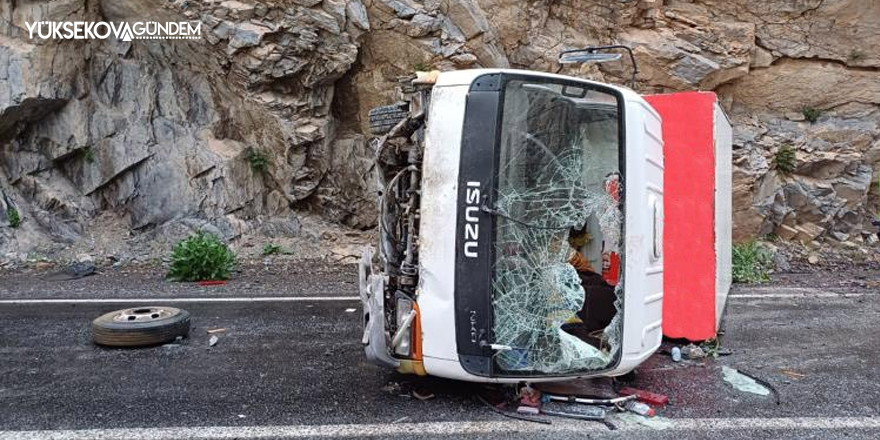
100	30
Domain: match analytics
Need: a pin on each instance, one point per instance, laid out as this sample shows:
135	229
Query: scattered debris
793	374
529	401
392	388
743	382
765	384
676	354
691	351
580	412
209	283
499	409
213	341
639	408
657	423
528	410
586	401
422	395
211	331
645	396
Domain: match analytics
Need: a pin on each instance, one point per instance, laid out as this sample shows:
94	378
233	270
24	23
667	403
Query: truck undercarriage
398	159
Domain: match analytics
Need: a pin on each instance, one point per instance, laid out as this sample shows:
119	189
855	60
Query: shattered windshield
556	286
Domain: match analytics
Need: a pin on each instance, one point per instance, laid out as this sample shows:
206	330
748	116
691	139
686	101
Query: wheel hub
142	314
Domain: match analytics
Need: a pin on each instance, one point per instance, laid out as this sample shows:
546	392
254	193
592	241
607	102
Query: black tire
140	326
384	118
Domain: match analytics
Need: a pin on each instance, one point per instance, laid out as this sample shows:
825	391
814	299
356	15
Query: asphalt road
294	368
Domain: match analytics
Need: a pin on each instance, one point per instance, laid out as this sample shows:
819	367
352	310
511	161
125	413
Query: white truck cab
520	229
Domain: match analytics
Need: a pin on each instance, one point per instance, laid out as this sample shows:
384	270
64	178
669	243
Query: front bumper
371	289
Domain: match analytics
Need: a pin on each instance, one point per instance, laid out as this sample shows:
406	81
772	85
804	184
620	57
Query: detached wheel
384	118
140	326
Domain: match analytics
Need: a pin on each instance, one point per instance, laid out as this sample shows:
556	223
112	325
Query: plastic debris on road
691	351
645	396
742	382
639	408
628	419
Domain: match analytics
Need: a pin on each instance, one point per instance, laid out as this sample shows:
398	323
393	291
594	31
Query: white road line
795	295
448	428
255	299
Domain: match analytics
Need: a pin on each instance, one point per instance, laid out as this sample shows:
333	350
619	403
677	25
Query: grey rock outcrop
262	121
164	131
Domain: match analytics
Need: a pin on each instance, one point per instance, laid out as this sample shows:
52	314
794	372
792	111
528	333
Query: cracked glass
557	206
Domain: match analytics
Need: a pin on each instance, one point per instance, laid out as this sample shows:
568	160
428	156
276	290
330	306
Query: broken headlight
406	314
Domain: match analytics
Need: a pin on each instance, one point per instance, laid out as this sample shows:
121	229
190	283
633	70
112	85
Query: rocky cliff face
261	122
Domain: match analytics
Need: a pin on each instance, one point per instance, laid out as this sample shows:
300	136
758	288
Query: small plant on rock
258	160
271	249
811	114
201	257
877	216
13	218
785	159
88	154
752	263
855	55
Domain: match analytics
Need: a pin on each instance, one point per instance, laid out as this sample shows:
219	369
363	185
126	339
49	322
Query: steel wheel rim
142	314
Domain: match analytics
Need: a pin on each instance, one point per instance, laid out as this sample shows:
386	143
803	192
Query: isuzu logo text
90	30
471	221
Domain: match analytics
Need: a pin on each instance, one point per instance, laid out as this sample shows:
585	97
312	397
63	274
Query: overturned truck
520	229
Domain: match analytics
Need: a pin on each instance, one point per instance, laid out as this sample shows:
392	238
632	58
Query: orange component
417	334
580	262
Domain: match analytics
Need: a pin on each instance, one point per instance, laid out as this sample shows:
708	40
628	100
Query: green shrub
878	192
201	257
421	67
258	160
88	154
271	249
13	218
785	159
855	55
752	263
811	114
